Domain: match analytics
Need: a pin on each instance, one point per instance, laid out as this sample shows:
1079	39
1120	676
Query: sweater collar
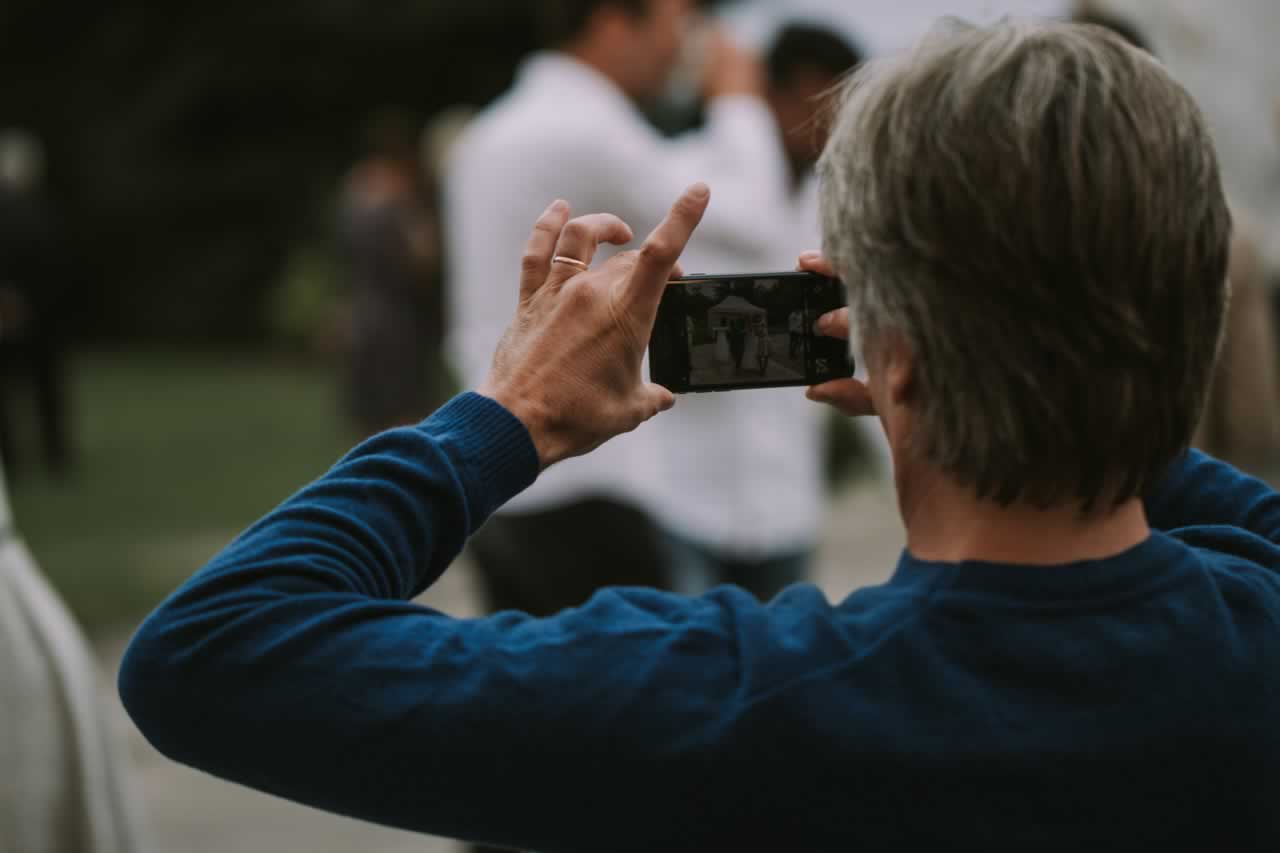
1147	562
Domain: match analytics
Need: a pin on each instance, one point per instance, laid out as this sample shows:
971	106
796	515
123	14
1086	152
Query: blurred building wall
881	26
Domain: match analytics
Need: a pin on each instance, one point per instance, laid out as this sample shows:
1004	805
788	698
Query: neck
801	169
599	58
947	523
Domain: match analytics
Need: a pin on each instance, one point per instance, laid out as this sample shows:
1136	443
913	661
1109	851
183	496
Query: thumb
655	400
848	396
661	250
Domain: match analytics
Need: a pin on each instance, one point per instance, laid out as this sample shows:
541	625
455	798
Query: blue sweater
1126	703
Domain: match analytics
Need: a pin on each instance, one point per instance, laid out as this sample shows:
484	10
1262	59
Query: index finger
662	248
580	239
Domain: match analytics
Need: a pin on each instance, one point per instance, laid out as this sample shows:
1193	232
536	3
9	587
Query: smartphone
755	330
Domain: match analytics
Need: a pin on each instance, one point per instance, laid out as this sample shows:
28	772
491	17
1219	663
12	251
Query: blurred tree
191	144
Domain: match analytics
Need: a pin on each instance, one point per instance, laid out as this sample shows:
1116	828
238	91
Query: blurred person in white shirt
742	490
607	59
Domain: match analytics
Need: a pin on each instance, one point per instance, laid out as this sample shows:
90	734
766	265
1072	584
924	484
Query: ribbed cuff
492	448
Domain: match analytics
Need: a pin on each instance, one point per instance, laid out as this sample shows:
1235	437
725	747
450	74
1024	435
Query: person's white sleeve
482	291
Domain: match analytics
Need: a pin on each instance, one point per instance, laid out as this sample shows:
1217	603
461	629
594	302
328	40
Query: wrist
538	421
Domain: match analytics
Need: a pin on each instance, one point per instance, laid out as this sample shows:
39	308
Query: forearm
267	666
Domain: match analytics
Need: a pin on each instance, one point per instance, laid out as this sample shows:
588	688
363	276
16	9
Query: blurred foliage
307	309
192	145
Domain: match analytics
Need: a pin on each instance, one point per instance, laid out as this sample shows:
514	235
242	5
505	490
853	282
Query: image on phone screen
728	332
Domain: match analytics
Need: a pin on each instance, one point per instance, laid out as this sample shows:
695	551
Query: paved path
190	812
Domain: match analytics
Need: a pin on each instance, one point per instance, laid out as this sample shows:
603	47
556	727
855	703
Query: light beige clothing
1242	419
62	782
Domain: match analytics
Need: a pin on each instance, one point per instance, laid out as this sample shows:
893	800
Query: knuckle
531	262
624	261
577	292
657	251
577	230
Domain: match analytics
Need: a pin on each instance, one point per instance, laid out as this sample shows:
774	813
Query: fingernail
557	206
700	190
810	256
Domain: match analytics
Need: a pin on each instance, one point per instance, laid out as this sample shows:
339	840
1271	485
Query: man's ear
899	366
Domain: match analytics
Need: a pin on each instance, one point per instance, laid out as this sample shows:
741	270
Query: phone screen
733	332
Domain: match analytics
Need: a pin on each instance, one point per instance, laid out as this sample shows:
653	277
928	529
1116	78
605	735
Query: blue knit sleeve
293	664
1202	491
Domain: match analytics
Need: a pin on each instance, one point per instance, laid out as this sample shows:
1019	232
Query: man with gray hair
1079	648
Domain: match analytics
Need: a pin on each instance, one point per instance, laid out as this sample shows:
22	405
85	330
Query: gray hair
1035	210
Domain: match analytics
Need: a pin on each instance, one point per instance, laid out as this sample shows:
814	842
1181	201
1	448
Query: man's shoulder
527	116
521	137
1232	553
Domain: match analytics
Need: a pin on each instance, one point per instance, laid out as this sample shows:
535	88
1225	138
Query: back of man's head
804	62
560	22
799	48
634	43
1036	212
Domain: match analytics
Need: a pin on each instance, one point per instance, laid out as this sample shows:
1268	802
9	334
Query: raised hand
569	365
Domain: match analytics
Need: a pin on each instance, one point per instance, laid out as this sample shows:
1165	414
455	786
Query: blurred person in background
65	784
805	63
33	309
742	492
588	523
391	249
1242	419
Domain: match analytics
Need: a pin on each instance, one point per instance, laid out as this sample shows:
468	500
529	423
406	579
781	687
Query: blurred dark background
190	146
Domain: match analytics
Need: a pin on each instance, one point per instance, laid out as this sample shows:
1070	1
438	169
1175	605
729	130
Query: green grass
178	453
